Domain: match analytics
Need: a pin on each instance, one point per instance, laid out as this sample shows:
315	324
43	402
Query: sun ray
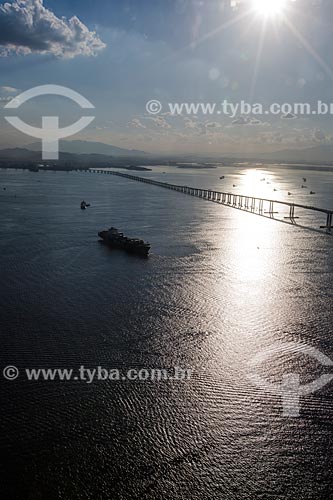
308	47
217	30
207	36
258	61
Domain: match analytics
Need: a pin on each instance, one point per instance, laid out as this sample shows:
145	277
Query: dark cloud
213	125
288	116
26	27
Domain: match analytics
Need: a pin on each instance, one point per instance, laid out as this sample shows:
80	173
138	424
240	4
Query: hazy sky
122	53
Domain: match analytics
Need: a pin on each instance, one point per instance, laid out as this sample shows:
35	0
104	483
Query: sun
269	8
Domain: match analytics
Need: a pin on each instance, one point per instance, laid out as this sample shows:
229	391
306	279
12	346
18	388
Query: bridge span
259	206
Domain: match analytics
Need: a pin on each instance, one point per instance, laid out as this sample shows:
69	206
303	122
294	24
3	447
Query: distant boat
304	187
304	179
289	193
234	185
84	205
275	189
312	192
222	177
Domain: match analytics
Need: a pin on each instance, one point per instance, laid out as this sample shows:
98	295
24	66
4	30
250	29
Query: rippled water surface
220	287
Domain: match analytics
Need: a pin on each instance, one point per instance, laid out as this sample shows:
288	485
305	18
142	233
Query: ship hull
127	246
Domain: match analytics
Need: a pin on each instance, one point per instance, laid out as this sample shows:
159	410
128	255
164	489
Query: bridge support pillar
328	226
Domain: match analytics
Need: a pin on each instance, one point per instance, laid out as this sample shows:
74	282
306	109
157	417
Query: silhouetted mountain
90	147
316	154
19	154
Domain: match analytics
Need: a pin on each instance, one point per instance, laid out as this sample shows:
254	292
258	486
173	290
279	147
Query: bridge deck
259	206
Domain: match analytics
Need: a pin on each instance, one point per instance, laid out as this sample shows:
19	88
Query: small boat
304	187
275	189
289	193
84	205
312	192
304	179
222	177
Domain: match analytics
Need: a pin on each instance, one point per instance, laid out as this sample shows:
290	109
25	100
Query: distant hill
19	154
25	155
316	154
90	147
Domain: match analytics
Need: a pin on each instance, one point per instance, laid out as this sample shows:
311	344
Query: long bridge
259	206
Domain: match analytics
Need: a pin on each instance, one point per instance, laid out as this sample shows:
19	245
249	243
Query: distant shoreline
68	166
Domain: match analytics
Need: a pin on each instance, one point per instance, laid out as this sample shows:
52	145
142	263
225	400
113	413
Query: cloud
195	125
213	125
240	121
99	128
27	27
159	121
274	137
243	120
190	123
136	123
319	135
258	123
288	116
8	90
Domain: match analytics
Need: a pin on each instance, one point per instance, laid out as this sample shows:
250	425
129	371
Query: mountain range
89	147
98	152
315	154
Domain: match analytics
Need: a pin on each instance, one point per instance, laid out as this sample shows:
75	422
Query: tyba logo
50	133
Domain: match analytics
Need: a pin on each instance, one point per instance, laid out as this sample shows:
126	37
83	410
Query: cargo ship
115	239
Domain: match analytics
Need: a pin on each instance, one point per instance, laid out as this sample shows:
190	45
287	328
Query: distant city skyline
120	55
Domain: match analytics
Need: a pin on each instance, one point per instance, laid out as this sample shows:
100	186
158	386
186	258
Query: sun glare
269	8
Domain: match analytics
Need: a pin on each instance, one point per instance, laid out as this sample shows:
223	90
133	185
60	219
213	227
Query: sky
122	54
